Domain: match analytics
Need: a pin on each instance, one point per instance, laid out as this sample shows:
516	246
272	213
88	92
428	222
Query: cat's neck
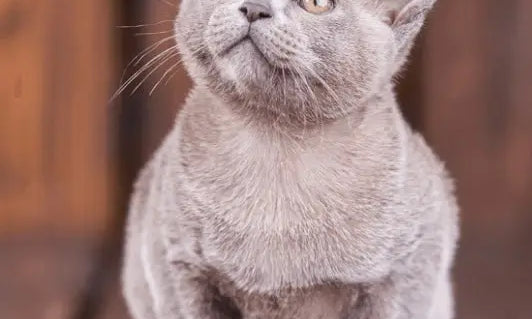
228	116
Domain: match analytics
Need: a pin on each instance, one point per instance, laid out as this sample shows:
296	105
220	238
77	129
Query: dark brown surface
477	89
41	278
494	278
477	110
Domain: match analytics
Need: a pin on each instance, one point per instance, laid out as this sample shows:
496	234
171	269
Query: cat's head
310	58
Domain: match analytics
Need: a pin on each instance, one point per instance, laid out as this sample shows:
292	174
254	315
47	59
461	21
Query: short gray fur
291	186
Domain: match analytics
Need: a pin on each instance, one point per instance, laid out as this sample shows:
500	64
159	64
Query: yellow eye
317	6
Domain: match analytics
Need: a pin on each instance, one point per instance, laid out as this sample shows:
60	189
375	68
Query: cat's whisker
152	48
139	57
159	56
295	80
176	70
325	85
298	86
144	25
143	69
328	89
173	5
156	67
165	74
171	77
305	82
154	33
309	108
284	85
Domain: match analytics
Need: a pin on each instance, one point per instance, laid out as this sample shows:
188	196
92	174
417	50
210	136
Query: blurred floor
494	278
42	280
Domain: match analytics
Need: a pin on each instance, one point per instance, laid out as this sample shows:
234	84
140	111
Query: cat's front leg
200	299
181	288
417	288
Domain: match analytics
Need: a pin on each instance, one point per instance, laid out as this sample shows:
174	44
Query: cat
291	186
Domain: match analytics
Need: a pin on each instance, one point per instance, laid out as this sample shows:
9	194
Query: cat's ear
406	17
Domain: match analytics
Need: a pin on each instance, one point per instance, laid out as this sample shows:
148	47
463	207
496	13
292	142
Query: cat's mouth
246	40
239	42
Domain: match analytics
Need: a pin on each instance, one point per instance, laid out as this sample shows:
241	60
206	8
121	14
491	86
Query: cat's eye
317	6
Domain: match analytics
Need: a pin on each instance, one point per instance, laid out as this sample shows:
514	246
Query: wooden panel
171	92
21	93
54	86
478	98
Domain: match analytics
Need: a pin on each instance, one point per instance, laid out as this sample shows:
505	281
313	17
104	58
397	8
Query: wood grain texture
478	108
477	97
57	67
170	94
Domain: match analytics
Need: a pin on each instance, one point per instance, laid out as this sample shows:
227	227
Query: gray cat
291	186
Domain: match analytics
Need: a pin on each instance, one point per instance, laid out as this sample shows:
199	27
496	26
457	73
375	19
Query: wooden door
56	71
477	113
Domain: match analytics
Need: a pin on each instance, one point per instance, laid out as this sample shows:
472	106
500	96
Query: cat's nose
254	10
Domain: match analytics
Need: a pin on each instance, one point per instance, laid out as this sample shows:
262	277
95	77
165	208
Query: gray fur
290	186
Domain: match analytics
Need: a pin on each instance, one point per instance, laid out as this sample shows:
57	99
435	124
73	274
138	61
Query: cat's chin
243	62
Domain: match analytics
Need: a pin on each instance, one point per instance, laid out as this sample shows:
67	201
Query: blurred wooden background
56	71
68	156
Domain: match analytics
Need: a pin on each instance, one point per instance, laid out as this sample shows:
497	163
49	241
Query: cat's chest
276	216
295	228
